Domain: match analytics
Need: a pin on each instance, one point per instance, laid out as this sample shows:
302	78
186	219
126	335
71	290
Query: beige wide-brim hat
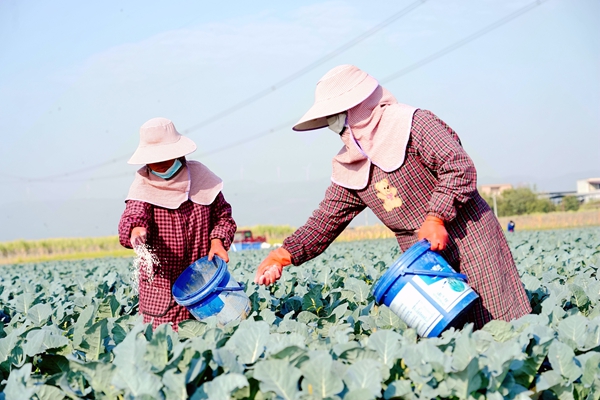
160	141
337	91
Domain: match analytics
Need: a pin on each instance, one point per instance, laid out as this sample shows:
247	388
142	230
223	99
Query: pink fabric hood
378	132
194	182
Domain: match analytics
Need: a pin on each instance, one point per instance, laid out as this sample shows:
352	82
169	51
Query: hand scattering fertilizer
424	291
206	288
145	260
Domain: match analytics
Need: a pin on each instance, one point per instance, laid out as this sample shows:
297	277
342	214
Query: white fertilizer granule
145	259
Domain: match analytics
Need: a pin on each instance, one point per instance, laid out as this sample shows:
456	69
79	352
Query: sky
78	79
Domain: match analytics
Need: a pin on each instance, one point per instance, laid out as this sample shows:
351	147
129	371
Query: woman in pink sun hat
176	208
411	170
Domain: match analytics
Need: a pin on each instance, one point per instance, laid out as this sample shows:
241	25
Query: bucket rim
405	260
208	287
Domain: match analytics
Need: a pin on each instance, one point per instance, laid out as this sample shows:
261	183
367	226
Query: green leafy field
75	333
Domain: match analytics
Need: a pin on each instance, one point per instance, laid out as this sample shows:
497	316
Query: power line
462	42
250	138
308	68
98	178
67	174
259	135
257	96
387	79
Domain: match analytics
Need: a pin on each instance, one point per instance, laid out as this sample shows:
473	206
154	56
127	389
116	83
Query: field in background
541	221
80	248
61	249
555	220
276	234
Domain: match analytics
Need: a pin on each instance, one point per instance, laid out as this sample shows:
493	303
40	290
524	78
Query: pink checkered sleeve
224	225
137	213
335	212
441	151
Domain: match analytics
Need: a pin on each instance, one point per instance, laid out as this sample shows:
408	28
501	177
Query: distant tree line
523	200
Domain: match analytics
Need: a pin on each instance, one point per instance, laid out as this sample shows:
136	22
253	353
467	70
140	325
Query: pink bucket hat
160	141
337	91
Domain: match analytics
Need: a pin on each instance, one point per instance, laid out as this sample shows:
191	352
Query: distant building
556	197
488	190
588	189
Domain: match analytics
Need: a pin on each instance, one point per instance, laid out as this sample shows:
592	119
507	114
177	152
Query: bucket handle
462	277
230	288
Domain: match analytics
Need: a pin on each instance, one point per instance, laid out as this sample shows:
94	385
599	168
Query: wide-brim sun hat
160	141
340	89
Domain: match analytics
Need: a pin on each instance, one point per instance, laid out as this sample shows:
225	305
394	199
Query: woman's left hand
217	249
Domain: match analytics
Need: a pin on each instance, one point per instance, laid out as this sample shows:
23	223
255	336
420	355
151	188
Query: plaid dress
437	178
178	238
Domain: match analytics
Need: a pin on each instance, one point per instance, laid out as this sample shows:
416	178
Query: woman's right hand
433	229
138	236
270	269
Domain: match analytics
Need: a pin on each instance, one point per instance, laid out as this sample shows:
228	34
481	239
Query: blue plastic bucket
206	288
424	291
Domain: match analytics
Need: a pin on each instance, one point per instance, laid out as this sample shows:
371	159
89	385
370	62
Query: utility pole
495	205
308	172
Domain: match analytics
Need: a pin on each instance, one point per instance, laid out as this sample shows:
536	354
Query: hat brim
163	152
316	116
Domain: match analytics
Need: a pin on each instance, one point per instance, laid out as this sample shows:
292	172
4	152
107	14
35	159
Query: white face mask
337	123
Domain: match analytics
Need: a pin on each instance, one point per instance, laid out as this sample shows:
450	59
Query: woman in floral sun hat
410	169
176	208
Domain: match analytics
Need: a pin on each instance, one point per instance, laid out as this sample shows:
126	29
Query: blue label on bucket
442	291
456	285
207	309
432	279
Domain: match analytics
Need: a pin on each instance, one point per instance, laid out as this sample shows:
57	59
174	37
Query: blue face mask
170	172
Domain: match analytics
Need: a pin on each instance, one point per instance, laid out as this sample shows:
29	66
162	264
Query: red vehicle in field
243	240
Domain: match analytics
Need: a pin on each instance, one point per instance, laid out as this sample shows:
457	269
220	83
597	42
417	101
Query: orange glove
433	230
217	249
270	269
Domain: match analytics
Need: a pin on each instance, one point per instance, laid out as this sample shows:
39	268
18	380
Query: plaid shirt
437	178
178	238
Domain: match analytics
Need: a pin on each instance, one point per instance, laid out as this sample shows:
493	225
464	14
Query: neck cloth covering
378	132
194	182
